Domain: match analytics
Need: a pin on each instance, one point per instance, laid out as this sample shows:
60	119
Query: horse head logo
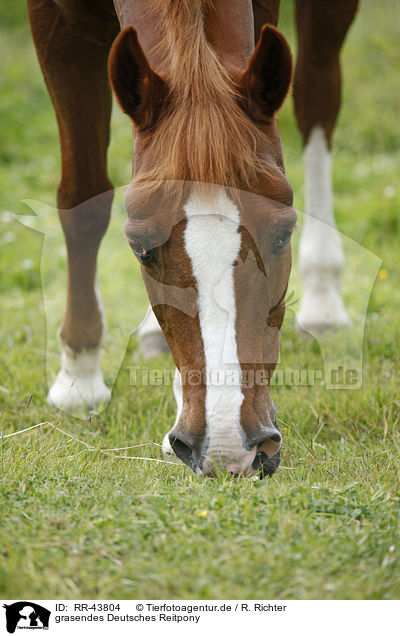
26	614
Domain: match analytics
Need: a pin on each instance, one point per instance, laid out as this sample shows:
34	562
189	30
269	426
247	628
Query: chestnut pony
209	206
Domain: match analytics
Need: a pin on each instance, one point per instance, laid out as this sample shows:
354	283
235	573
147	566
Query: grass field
76	523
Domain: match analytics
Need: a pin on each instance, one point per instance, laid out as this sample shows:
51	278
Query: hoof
320	314
314	325
72	394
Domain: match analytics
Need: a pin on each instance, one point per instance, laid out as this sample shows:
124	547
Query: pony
209	206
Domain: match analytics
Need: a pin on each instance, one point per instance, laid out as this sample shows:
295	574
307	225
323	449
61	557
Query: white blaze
212	241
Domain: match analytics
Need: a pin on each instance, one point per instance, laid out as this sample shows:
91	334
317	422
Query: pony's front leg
321	29
80	381
73	53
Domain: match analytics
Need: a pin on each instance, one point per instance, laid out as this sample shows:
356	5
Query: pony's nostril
275	437
182	446
265	436
182	450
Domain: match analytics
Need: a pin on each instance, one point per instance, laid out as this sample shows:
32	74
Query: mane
203	135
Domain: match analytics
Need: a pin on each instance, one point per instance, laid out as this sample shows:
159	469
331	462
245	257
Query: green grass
76	523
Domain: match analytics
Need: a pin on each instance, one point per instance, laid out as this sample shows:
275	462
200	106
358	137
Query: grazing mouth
262	465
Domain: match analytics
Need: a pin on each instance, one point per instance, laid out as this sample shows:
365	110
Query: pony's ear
267	79
139	90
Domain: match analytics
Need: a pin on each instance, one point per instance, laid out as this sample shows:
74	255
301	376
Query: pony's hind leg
151	338
265	12
321	28
73	54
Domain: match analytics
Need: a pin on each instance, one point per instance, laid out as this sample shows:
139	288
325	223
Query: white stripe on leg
79	382
151	338
321	257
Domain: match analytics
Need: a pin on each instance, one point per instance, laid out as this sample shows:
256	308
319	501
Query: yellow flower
382	274
202	513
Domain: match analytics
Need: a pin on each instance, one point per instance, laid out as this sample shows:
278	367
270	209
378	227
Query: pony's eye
144	255
282	239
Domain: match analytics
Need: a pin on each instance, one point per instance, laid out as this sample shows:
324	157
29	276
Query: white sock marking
79	382
151	338
321	256
149	324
